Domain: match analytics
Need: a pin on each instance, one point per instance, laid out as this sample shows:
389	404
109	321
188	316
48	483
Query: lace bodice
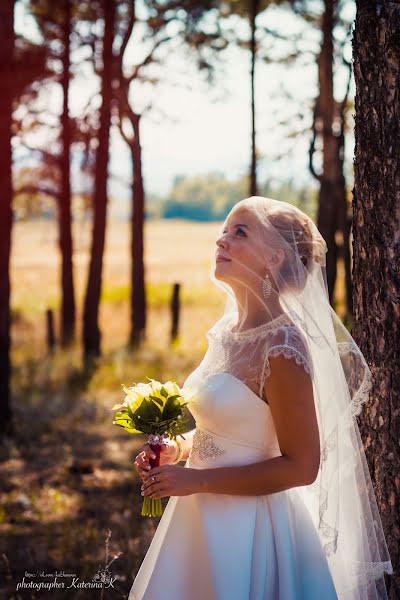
246	353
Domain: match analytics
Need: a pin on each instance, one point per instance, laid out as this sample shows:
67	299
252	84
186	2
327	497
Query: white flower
143	388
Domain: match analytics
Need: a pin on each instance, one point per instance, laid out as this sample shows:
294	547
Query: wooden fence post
50	329
175	309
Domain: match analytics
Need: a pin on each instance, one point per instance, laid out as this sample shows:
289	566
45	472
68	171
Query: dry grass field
175	251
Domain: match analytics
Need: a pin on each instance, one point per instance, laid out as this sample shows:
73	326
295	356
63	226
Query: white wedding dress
228	547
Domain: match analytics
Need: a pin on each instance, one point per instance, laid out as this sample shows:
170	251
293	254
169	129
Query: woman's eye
237	231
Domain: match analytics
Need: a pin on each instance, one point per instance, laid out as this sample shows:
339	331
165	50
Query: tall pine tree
7	37
376	251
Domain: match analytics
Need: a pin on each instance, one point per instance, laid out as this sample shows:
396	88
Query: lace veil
288	313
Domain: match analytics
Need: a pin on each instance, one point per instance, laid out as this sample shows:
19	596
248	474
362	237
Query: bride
275	500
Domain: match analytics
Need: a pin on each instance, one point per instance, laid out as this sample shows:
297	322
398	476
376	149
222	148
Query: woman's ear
276	258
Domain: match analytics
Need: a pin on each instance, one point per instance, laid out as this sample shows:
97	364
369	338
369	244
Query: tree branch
149	58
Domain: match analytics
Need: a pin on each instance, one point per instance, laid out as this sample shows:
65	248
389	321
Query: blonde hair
298	231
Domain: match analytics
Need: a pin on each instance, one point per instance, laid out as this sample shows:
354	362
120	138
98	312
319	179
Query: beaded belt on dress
204	446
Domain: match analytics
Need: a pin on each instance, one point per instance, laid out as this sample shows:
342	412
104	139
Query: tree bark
253	48
65	234
327	217
138	292
376	251
7	37
138	296
344	219
91	331
345	216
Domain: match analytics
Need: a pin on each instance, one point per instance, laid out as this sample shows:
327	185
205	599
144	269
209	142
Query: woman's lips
221	259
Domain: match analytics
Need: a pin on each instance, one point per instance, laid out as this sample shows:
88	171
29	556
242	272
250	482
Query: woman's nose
221	241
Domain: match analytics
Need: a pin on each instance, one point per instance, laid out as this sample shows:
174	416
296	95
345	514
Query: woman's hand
170	480
168	453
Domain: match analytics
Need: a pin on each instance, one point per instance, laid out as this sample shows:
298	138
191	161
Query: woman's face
239	243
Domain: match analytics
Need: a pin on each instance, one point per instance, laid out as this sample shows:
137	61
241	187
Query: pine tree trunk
329	195
376	251
91	330
6	99
65	233
138	297
253	48
333	210
344	225
345	216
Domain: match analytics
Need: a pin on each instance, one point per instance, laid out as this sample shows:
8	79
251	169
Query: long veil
341	500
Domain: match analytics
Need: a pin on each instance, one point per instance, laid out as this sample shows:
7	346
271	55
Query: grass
67	475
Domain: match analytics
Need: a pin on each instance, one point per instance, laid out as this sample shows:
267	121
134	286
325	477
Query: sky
194	128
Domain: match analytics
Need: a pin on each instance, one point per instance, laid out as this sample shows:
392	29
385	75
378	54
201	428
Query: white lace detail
362	580
292	347
345	347
362	395
254	332
291	353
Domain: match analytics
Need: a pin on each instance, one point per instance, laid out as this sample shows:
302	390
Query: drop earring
266	286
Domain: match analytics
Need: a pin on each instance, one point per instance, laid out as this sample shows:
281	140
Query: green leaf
157	400
127	425
176	396
147	411
132	430
122	416
172	408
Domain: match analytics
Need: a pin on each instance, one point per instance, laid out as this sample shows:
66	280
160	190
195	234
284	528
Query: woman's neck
257	310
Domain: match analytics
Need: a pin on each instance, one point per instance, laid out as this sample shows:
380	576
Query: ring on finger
153	481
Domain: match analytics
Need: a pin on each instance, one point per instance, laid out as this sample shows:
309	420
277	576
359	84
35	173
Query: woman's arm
290	394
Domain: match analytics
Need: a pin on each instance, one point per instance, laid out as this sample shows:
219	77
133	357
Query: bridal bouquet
155	409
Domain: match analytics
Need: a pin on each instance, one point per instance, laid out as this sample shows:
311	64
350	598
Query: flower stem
152	507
